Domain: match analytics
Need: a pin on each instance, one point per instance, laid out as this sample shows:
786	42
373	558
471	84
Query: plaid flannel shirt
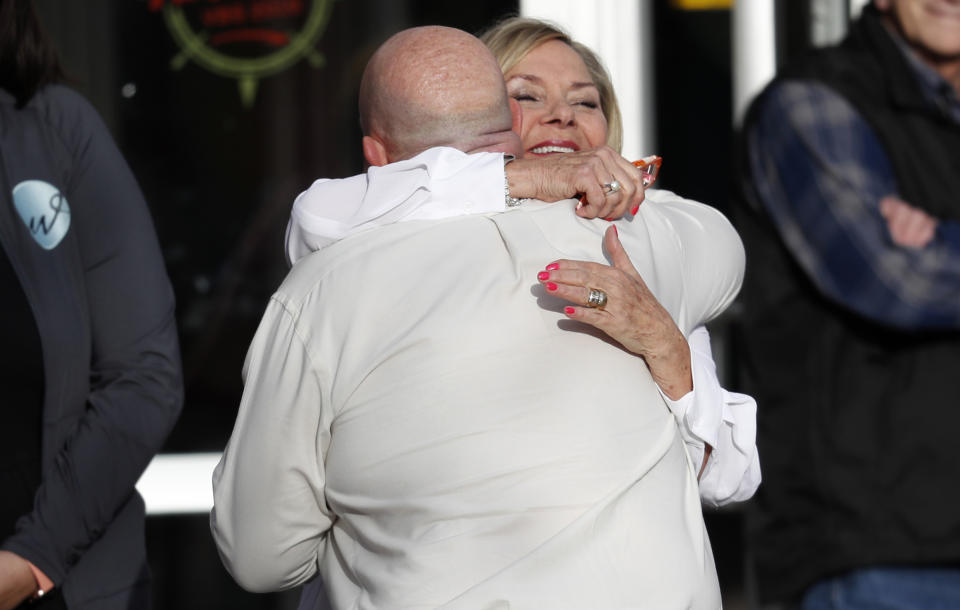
821	172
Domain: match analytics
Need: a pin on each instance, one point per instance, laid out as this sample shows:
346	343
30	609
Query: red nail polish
615	231
568	310
543	275
553	267
551	286
608	219
635	210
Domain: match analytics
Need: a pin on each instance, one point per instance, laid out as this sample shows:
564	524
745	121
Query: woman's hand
632	315
16	580
569	175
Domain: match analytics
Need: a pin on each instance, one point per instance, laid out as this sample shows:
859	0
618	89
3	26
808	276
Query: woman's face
559	102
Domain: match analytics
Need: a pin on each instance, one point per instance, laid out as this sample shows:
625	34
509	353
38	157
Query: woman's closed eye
524	97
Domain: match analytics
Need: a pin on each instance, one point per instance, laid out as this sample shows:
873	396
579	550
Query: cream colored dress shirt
423	426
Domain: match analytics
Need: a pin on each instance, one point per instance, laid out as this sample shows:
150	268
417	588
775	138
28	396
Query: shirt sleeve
727	421
269	517
820	172
439	183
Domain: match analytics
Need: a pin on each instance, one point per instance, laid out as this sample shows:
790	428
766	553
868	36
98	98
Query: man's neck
948	68
952	75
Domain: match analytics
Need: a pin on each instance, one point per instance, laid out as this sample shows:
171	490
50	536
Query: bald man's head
433	86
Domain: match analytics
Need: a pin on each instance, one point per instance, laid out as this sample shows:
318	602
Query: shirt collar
934	87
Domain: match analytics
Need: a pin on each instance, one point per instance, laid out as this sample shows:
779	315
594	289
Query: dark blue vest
857	422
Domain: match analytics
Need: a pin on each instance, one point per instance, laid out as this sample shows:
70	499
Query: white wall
754	51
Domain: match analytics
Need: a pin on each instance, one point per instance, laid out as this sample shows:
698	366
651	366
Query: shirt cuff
44	584
469	184
724	420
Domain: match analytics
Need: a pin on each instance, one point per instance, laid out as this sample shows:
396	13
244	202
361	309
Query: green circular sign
195	44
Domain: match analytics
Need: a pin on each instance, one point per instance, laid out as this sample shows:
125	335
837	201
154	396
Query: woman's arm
444	182
718	427
16	580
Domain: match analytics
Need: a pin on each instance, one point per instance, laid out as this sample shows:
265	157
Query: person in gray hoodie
90	366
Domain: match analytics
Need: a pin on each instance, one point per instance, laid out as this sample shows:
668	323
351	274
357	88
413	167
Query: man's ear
374	151
517	116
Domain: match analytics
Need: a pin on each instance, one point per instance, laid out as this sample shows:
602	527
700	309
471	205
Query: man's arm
909	227
269	518
821	174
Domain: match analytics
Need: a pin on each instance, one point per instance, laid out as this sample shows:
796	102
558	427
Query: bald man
434	87
422	425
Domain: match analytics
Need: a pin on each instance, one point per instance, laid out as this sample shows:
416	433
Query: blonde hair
511	39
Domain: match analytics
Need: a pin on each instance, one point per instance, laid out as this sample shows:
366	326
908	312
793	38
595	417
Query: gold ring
597	298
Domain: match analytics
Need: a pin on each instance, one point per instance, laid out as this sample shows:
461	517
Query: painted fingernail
615	231
543	275
568	310
551	286
635	210
553	267
608	219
